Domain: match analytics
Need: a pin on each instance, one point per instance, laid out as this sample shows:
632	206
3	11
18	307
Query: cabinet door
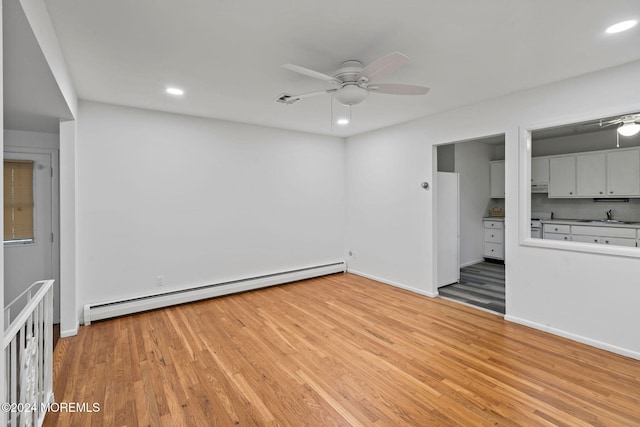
497	180
540	170
617	241
493	250
562	176
623	173
591	175
585	239
557	236
493	235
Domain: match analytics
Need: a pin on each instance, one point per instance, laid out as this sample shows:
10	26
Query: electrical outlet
160	280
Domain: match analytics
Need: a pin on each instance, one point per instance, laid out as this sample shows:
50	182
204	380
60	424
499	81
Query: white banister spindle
14	378
28	347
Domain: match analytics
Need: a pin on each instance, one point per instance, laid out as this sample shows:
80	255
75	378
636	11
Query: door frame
55	204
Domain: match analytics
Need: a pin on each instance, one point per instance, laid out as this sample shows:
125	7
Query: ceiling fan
628	125
354	82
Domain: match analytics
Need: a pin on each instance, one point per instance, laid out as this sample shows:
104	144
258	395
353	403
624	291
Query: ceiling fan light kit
627	126
354	81
629	129
351	94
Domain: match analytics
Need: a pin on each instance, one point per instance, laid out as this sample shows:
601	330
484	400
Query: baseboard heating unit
106	310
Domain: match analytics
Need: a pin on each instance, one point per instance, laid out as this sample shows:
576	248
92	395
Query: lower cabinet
557	236
493	239
616	236
556	232
603	240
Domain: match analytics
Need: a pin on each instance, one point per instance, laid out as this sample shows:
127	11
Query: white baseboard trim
574	337
392	283
109	309
467	264
69	332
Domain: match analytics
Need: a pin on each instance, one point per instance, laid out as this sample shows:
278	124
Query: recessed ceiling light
621	26
175	91
342	122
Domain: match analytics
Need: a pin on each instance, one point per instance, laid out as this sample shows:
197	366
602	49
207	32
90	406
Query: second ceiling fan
354	82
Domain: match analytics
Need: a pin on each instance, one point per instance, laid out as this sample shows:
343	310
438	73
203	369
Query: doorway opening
31	206
480	272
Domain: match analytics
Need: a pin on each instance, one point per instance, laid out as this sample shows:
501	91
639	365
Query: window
18	201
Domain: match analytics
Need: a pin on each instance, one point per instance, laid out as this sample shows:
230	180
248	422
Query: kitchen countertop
493	218
591	223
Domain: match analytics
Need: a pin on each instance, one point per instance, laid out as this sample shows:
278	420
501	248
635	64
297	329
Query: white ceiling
227	54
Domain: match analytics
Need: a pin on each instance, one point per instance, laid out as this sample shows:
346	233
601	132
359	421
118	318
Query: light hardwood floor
338	350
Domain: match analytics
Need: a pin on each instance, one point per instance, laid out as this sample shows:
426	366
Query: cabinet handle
570	192
492	235
491	250
601	192
566	238
606	241
556	229
610	192
595	240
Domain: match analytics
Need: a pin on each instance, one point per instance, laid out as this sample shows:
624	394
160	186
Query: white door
448	228
28	262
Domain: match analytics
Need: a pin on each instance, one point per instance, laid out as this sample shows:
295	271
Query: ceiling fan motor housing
349	71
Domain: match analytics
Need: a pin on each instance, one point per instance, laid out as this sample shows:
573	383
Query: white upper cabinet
610	173
497	179
540	170
591	175
562	176
623	173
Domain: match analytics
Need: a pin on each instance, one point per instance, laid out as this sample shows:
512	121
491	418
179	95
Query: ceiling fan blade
383	66
398	89
310	94
310	73
286	98
605	124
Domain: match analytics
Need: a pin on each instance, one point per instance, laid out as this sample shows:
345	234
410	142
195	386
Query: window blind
18	200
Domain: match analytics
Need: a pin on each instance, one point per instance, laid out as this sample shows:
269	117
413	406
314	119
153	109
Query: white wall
30	140
199	201
603	140
69	307
3	416
587	296
388	211
472	163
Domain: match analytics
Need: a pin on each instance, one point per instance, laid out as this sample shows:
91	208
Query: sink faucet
609	215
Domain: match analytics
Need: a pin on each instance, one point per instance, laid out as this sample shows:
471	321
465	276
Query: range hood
539	188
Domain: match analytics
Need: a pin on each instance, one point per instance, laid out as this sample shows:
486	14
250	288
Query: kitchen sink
605	221
609	221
